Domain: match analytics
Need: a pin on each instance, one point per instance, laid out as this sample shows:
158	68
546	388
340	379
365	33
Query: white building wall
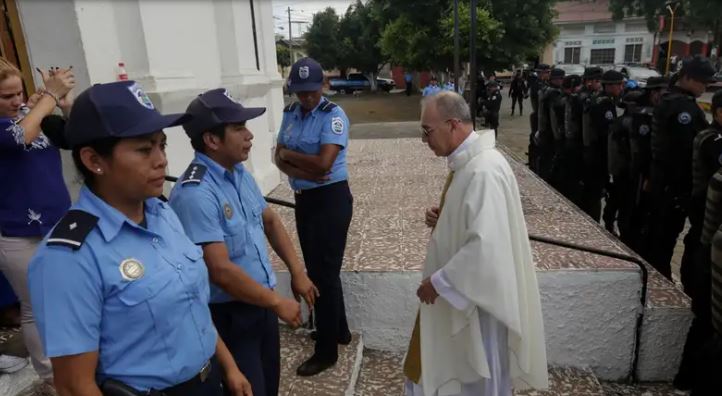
176	50
600	35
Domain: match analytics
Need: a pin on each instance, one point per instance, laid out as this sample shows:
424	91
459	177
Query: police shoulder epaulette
290	107
72	229
194	174
328	106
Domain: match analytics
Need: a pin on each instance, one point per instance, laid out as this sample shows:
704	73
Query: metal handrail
569	245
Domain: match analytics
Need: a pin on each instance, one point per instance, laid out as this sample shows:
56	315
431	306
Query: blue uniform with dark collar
323	214
136	295
219	205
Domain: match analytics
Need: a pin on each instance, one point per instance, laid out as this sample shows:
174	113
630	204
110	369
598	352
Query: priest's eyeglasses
426	131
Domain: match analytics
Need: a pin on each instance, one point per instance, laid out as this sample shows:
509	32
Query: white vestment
486	332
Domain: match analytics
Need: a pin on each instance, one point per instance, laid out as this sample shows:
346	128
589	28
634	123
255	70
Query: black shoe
342	340
314	365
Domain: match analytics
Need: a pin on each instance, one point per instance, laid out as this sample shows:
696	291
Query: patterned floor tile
381	374
569	382
615	389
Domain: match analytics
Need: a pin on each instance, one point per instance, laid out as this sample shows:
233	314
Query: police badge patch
609	115
140	96
337	125
303	72
684	118
131	269
644	130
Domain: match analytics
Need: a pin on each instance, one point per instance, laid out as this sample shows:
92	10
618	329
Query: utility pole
472	50
456	46
290	37
671	10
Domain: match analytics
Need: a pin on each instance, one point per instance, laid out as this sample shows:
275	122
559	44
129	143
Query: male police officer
599	113
704	216
573	115
544	138
564	174
222	209
312	150
677	121
537	81
432	89
492	105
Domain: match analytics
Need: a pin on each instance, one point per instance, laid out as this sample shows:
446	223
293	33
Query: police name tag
131	269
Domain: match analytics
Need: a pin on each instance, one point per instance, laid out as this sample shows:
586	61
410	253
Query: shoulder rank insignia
194	174
72	229
328	106
290	107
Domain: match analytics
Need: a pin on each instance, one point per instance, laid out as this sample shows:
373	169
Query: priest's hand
432	216
426	292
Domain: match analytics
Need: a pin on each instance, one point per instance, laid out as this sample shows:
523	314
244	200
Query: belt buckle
205	371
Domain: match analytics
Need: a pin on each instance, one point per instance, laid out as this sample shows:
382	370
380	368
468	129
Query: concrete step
296	347
18	383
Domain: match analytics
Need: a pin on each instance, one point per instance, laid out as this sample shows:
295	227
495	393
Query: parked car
637	73
571	68
358	82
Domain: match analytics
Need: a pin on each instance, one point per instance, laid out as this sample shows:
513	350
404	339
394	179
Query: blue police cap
217	107
306	75
119	109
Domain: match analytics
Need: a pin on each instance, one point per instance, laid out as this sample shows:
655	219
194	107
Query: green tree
360	36
322	39
283	55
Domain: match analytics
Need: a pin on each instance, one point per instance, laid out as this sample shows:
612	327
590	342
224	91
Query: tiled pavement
393	180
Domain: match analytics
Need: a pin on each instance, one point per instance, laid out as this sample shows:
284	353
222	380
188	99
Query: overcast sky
302	11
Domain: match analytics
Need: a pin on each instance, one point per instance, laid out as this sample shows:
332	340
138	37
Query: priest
479	330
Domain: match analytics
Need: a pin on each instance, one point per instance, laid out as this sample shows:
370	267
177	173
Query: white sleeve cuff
447	291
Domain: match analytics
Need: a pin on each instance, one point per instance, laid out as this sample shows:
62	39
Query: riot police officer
544	138
599	113
677	121
560	166
633	226
574	145
537	82
705	215
492	104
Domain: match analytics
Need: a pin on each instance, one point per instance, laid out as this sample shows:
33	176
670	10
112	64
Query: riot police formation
557	113
537	82
573	111
543	139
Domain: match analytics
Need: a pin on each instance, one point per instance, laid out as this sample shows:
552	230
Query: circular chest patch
337	125
227	210
609	115
684	118
644	130
131	269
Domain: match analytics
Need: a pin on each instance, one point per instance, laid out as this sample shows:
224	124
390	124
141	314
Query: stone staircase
367	372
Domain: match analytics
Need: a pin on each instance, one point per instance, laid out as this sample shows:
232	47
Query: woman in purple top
34	195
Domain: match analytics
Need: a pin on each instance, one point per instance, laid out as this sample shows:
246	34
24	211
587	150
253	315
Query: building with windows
588	35
174	49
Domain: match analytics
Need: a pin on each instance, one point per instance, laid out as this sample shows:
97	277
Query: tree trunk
372	80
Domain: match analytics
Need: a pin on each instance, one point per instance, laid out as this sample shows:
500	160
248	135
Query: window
633	53
602	56
572	54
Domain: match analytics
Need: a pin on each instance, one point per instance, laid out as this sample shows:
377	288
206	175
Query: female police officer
312	152
119	292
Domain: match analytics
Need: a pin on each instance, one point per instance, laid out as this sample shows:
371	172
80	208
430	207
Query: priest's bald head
445	122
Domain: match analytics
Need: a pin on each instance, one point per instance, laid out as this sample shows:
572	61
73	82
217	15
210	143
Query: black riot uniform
677	121
599	113
544	139
491	105
560	165
574	144
619	159
536	85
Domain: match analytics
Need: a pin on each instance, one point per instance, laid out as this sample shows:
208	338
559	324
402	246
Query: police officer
537	81
637	124
432	89
573	115
517	92
564	178
544	139
492	104
119	292
222	209
706	379
705	215
677	121
599	113
311	150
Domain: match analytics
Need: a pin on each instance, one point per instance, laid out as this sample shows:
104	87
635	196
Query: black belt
185	387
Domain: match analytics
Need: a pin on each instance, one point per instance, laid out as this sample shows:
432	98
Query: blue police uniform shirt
152	330
431	90
34	195
226	207
325	124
